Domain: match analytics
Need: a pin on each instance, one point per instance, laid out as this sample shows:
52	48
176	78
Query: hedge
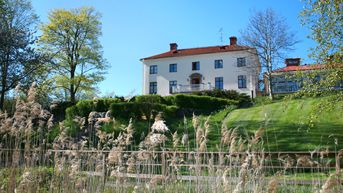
150	98
244	99
139	109
206	103
153	98
84	107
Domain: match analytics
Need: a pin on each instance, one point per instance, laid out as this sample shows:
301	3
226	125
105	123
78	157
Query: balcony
191	88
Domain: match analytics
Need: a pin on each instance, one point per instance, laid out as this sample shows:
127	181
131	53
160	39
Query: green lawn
287	125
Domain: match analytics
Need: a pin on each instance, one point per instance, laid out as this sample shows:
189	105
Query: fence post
163	164
104	170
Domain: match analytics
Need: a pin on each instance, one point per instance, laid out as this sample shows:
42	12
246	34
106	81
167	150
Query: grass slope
287	126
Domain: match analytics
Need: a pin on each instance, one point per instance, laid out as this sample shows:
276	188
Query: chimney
173	46
233	40
292	61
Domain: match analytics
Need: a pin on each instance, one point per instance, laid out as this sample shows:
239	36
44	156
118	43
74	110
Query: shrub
122	110
84	107
206	103
151	98
137	110
171	111
71	112
244	99
169	100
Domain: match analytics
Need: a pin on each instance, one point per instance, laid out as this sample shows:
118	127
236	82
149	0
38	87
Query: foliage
270	35
244	99
169	100
173	106
72	38
138	110
151	98
324	18
206	103
84	107
19	61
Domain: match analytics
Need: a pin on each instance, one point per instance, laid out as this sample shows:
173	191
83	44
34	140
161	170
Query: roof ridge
213	47
198	50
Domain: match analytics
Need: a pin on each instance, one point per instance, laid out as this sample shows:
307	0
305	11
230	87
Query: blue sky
133	29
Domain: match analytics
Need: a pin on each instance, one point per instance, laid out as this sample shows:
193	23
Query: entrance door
195	84
195	80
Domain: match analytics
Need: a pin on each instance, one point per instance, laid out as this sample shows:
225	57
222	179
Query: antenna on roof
221	38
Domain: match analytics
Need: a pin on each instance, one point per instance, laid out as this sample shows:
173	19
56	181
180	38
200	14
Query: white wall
229	72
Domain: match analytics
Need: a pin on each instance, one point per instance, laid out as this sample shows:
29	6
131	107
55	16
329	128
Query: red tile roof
300	68
196	51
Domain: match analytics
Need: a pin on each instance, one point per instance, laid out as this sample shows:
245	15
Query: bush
137	110
123	110
205	103
84	107
151	98
169	100
244	99
171	111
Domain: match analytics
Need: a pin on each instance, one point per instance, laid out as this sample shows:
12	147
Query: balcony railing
191	88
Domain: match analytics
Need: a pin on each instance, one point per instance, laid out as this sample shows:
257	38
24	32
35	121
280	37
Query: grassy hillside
287	125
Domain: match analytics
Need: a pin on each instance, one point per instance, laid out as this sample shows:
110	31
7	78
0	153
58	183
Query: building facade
229	67
284	81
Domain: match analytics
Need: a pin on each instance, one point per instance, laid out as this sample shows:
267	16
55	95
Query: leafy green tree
325	20
19	61
72	37
270	35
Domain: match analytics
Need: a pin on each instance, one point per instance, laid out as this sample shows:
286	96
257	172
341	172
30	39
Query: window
172	67
219	83
153	69
241	62
242	81
218	64
195	65
153	88
172	85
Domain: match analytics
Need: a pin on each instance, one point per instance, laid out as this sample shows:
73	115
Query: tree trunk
2	99
3	87
270	88
72	86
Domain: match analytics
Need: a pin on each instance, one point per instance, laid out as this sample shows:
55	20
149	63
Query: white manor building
229	67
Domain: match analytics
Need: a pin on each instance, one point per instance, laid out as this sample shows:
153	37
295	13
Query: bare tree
270	35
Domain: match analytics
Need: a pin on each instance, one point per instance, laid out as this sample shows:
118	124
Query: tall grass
97	161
